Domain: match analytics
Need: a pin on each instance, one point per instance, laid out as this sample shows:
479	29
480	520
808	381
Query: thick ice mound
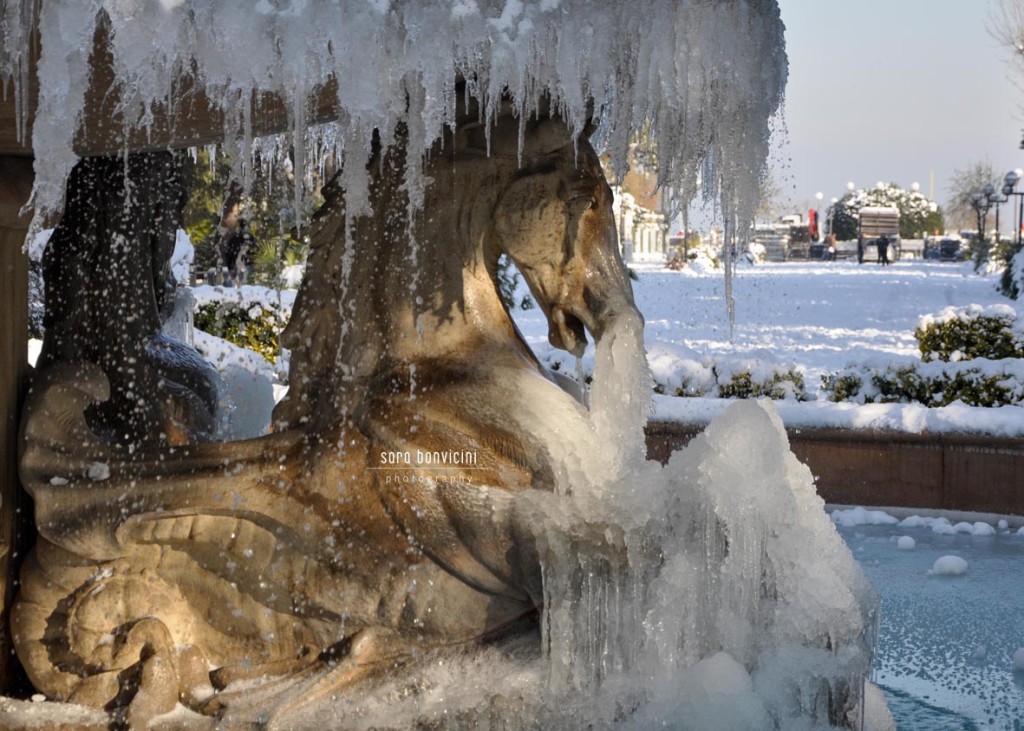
703	77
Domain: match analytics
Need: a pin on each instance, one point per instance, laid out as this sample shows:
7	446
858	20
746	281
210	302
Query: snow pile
861	516
905	543
704	78
247	297
948	566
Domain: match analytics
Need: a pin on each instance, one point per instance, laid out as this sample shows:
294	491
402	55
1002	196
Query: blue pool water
944	655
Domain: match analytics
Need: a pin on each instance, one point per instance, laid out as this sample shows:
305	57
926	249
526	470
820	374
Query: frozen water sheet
948	641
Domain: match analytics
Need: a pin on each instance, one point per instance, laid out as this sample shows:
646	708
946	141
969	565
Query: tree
960	212
919	216
1006	25
217	203
844	218
770	197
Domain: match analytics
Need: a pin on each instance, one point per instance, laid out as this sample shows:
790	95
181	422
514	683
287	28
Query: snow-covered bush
981	382
966	333
779	383
686	374
251	317
679	371
1011	283
756	253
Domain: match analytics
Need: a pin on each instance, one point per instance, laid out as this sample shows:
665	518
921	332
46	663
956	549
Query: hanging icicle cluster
703	77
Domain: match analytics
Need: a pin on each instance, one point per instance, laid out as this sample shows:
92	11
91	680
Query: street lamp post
817	216
993	198
1010	181
980	203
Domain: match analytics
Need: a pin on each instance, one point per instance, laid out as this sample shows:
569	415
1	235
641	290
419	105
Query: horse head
555	221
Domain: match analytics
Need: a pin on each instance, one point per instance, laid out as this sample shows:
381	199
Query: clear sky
893	90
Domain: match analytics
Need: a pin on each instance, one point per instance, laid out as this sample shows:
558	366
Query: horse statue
390	509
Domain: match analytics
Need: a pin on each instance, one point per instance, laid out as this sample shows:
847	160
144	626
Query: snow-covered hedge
966	333
972	354
980	382
251	317
1011	283
679	371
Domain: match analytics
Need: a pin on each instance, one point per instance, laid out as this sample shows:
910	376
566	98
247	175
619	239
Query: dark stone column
16	178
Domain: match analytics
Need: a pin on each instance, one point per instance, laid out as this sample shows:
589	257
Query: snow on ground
818	317
815	317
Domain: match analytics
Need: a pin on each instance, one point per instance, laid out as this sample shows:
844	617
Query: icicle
581	379
673	68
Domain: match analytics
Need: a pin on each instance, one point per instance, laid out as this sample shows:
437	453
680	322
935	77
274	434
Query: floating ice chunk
58	481
914	521
1020	531
982	529
1003	525
98	471
906	543
862	516
949	566
943	527
1018	659
980	652
974	529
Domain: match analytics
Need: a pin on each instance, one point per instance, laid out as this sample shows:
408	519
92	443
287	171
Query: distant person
829	254
237	254
883	249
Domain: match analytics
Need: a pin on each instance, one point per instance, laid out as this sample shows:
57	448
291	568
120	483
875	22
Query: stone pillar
16	178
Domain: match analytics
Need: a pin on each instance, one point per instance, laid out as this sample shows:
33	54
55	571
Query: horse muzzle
568	324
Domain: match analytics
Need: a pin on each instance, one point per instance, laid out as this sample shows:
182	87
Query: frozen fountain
323	576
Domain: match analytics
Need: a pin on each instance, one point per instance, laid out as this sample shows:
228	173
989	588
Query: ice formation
906	543
948	566
688	590
702	78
